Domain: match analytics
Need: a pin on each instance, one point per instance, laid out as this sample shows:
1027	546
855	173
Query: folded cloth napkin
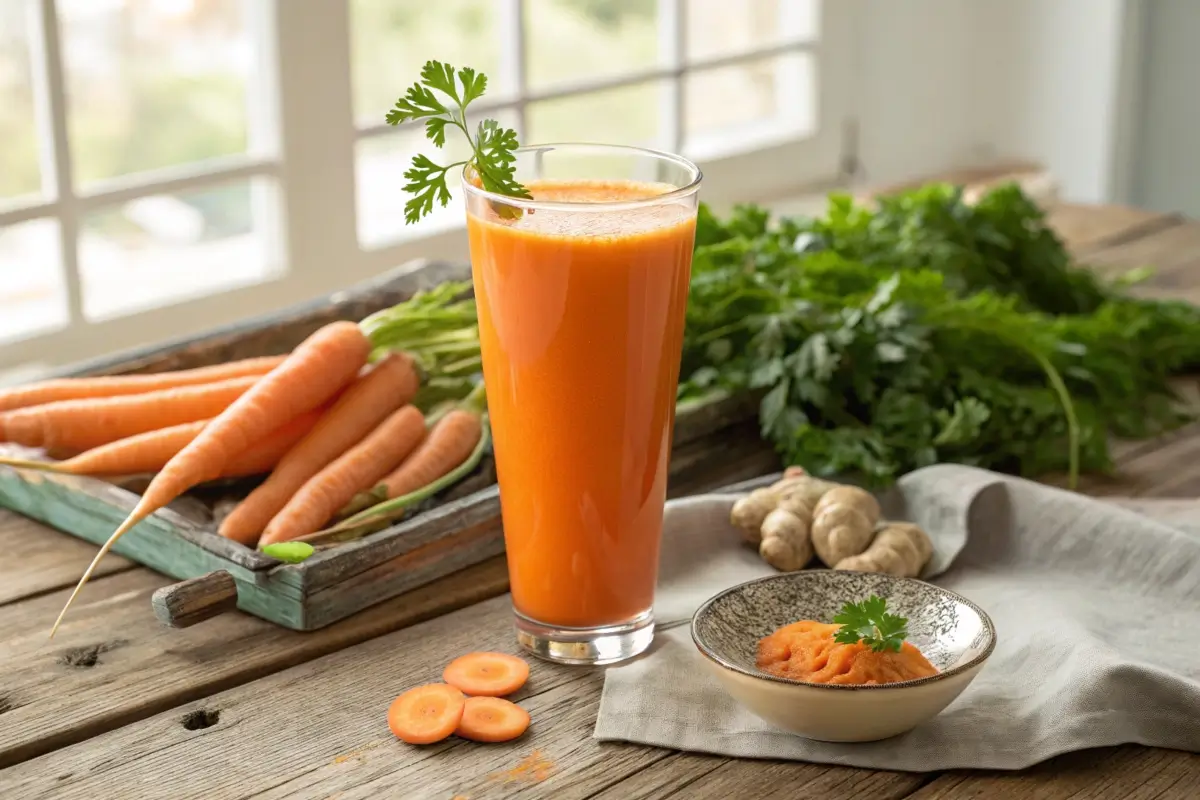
1097	609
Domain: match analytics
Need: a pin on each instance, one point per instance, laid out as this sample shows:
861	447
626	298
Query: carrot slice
492	719
426	714
486	674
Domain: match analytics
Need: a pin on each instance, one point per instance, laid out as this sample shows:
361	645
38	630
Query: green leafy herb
493	148
868	622
291	552
927	330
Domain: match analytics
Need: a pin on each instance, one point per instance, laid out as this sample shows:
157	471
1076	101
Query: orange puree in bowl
806	651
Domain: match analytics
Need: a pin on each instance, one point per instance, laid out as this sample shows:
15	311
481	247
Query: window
173	165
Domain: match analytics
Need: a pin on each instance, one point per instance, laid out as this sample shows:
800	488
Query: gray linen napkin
1097	608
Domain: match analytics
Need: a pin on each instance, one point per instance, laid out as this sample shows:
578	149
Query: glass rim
691	187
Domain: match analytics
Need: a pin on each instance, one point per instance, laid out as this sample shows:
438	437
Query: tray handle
186	603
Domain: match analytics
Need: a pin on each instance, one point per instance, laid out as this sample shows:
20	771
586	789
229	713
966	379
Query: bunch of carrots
324	425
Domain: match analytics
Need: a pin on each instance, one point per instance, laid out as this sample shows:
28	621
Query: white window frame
303	137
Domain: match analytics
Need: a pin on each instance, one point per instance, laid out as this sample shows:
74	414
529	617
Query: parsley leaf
493	148
923	329
868	622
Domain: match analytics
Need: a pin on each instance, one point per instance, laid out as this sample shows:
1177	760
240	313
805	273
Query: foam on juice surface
592	219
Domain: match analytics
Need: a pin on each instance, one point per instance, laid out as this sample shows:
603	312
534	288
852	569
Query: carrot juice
581	312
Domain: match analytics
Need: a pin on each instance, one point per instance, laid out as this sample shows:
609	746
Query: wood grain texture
184	604
36	560
331	739
1166	250
1129	772
113	663
1085	229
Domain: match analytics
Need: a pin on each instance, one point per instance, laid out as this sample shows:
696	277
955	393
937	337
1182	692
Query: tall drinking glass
581	294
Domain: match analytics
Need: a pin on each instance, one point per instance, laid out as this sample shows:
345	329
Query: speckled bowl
953	633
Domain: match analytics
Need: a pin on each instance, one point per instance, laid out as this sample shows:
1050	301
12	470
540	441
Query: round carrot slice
486	674
492	719
426	714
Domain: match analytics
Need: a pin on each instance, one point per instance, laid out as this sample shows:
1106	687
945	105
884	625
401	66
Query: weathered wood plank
689	775
1085	228
187	603
1165	250
1132	772
112	663
37	560
323	734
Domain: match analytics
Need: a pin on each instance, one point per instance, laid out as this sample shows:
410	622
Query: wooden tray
715	443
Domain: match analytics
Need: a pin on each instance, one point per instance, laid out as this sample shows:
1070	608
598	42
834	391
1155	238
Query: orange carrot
486	674
150	451
491	719
356	470
79	425
143	452
448	444
262	456
426	714
315	371
390	384
52	391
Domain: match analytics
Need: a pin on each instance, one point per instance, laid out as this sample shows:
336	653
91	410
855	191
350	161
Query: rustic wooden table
118	707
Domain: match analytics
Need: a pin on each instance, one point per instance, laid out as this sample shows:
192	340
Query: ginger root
843	523
786	544
899	548
749	512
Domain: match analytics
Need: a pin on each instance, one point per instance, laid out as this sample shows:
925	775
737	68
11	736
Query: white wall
915	87
1045	87
1165	163
947	83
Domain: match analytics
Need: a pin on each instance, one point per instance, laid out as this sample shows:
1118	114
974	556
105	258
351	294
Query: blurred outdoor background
170	165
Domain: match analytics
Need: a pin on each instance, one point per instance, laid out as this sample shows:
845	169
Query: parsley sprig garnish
870	623
493	148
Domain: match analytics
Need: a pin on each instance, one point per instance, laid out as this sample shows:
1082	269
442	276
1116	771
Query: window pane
392	39
154	83
735	107
380	164
568	40
164	248
631	115
33	295
19	174
721	27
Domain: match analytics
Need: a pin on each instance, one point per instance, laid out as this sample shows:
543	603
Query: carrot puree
581	318
805	651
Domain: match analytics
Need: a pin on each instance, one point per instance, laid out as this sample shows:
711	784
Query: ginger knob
749	512
843	523
785	540
899	548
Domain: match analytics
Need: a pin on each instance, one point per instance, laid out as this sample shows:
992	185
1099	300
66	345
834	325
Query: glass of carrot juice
581	293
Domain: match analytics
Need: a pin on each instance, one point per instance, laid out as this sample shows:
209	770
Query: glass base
586	646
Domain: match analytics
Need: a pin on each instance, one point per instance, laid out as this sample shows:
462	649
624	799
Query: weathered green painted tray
715	443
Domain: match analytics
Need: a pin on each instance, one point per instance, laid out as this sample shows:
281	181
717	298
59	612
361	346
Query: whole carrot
262	456
354	471
53	391
450	441
315	371
143	452
389	385
78	425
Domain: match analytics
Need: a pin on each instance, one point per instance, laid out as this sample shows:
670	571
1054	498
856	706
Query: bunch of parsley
929	330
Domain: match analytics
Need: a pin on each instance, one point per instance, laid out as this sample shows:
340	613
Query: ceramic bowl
953	633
